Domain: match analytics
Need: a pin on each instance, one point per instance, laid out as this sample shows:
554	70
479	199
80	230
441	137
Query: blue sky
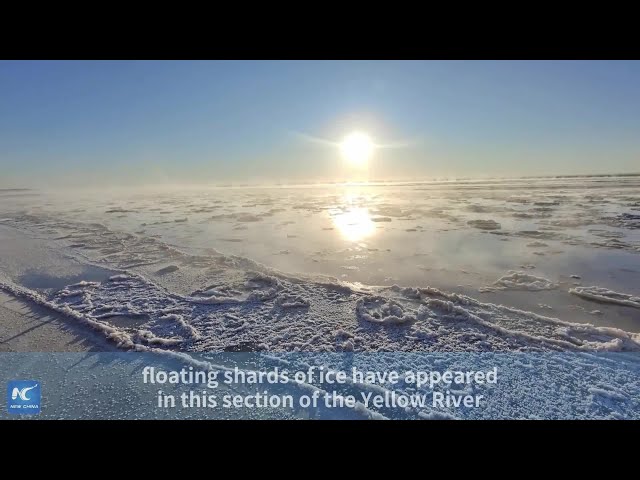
211	122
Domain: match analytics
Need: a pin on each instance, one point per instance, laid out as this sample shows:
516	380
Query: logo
23	397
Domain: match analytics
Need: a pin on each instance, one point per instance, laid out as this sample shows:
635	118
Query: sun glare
357	149
355	224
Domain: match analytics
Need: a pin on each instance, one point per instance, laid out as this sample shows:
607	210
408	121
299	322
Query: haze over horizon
128	123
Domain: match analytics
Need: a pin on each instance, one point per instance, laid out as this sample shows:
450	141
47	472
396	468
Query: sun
357	149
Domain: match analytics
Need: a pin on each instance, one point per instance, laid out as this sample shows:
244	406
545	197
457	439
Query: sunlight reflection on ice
354	224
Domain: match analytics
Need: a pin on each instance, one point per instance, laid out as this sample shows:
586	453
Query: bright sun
357	149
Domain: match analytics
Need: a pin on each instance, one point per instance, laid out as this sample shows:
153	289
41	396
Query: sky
215	122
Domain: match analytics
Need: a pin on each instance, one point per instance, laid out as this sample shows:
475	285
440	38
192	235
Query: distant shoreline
422	181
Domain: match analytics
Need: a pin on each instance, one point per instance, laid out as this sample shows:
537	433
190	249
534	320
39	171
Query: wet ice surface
525	244
457	236
531	265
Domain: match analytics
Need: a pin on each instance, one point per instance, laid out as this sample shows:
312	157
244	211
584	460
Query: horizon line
303	183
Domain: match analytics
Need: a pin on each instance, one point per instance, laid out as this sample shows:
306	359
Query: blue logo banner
164	384
23	397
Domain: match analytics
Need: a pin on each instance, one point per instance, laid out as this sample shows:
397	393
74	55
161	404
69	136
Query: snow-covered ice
604	295
421	267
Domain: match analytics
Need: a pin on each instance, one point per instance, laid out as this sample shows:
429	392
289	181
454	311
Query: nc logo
23	397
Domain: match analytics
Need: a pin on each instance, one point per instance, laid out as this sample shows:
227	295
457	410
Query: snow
169	269
605	295
377	309
289	301
515	280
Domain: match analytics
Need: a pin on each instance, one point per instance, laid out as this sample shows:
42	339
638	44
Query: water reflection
354	223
